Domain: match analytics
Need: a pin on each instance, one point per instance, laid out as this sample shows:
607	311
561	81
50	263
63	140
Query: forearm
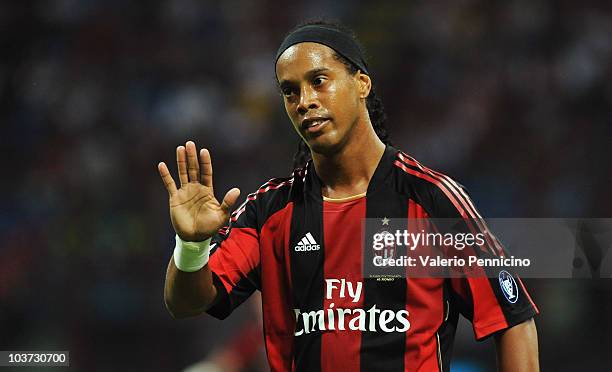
517	348
188	293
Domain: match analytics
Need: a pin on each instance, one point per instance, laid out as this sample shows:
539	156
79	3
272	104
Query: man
298	239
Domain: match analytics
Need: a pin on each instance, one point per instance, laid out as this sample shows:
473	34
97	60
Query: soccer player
298	239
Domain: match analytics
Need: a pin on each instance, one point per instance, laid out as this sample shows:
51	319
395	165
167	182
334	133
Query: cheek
343	101
290	110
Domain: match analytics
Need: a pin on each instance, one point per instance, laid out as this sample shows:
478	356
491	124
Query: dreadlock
373	102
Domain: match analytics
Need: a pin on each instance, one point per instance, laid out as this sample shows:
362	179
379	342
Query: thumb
230	199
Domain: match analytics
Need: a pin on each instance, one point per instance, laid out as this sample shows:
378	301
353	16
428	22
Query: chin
326	144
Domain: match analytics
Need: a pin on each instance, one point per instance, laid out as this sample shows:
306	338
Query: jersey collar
313	184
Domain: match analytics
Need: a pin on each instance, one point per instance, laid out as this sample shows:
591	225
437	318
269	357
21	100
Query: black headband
337	40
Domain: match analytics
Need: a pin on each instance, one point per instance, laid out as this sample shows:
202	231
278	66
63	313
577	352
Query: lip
316	128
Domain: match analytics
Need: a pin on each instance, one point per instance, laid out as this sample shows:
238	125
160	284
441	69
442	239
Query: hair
373	102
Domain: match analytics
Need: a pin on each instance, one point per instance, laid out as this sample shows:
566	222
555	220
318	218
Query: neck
348	172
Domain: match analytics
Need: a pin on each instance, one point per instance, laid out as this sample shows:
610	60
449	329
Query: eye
287	91
318	80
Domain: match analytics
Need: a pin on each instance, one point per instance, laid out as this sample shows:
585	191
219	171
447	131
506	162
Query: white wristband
191	256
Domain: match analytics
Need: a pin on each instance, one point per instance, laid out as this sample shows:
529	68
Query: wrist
191	256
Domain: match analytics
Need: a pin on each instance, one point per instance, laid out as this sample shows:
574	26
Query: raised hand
195	212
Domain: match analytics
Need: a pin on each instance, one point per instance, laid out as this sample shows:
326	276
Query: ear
365	84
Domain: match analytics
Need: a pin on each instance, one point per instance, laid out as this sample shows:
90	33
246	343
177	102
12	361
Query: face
323	100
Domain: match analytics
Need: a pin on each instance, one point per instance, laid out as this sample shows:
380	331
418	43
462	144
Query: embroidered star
385	221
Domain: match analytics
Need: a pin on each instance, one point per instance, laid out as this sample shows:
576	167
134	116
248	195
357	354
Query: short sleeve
497	299
235	261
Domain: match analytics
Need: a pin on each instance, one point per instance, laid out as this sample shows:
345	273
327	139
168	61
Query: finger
193	167
181	162
230	199
206	171
166	178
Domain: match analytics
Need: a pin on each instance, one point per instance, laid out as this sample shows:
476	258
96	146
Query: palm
195	212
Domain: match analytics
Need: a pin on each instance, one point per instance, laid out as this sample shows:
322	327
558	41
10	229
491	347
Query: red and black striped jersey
319	312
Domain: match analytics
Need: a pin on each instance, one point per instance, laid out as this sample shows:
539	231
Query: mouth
313	125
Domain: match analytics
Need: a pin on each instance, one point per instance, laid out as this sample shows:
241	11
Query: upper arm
235	261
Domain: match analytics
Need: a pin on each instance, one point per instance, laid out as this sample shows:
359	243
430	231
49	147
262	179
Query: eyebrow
283	83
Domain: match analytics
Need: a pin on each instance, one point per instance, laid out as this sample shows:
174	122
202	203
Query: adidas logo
307	244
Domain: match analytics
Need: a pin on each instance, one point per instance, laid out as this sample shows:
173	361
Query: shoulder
272	196
438	193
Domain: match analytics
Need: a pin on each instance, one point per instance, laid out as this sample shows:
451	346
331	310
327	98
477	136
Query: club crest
508	286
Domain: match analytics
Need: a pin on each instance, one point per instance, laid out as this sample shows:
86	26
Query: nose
308	100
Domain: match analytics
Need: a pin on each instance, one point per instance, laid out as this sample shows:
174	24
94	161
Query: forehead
303	57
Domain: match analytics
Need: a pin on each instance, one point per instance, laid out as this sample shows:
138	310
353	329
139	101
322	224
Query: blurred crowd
513	99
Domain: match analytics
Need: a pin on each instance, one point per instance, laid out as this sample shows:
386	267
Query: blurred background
511	98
